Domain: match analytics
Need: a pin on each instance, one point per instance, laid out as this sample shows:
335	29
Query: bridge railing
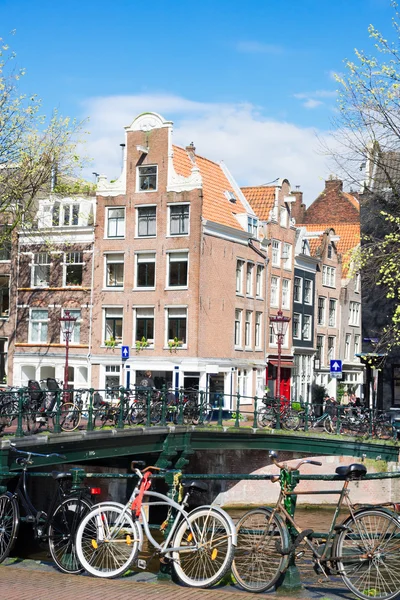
27	411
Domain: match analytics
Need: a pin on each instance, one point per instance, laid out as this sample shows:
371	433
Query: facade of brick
332	205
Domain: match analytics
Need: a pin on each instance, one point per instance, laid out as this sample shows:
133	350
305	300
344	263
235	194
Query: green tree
367	153
34	148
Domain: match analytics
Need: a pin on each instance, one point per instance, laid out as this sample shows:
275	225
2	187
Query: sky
250	83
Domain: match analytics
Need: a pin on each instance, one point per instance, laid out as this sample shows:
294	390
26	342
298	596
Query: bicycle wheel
9	524
202	415
206	548
266	417
32	422
258	565
291	421
107	541
369	556
138	413
62	533
384	431
70	417
329	425
156	413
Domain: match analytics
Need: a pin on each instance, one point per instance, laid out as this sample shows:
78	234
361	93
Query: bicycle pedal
142	564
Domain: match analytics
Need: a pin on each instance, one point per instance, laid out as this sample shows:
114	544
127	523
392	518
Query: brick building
7	307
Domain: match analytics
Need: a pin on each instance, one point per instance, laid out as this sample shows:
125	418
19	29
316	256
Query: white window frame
356	344
347	346
354	313
238	328
138	257
171	257
175	205
286	293
138	175
300	288
111	369
248	329
106	231
249	279
307	327
138	209
120	315
259	281
43	325
258	331
252	225
331	350
297	317
36	263
275	290
308	300
283	216
239	276
67	263
276	253
181	312
136	315
76	333
332	312
322	321
113	258
328	276
357	283
287	256
322	352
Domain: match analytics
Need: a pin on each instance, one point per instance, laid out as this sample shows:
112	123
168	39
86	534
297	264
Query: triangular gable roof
216	206
349	234
261	198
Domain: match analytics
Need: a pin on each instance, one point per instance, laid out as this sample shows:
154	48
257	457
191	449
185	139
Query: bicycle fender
224	514
139	528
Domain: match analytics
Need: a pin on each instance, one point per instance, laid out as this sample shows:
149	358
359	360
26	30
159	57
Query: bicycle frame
22	495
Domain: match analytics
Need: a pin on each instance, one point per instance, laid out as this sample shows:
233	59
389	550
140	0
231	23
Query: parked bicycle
58	526
272	410
364	549
327	419
199	544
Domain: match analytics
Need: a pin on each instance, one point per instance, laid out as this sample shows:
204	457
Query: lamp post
67	324
279	324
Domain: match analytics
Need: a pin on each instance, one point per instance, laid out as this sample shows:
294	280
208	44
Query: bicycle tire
70	417
215	552
329	426
104	552
266	417
367	568
384	431
30	425
203	414
291	421
138	413
62	533
258	565
9	524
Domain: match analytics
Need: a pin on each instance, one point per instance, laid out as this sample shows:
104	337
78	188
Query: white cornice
227	233
148	121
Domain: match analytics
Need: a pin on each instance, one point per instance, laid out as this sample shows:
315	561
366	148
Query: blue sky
249	82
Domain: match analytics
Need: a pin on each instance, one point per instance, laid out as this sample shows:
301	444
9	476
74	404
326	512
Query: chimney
298	208
333	185
191	150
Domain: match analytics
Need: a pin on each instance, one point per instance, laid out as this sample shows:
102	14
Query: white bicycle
200	544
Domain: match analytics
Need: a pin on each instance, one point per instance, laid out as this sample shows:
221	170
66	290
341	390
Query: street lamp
67	325
279	324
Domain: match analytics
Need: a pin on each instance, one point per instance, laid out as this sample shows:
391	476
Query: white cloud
254	47
256	149
313	99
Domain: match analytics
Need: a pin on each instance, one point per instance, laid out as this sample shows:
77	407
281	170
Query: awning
287	364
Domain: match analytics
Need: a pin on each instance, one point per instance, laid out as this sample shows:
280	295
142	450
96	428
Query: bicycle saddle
61	475
354	471
199	486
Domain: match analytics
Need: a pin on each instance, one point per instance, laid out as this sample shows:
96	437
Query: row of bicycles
331	418
200	546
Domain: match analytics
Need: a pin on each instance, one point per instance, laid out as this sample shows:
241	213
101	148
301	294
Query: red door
285	385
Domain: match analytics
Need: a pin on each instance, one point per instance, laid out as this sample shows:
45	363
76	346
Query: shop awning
287	364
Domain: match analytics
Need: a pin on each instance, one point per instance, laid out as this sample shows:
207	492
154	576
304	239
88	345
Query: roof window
230	196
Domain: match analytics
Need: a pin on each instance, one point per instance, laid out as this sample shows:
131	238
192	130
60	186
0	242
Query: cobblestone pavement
31	580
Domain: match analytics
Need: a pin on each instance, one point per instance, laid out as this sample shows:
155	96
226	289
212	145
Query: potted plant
141	344
174	344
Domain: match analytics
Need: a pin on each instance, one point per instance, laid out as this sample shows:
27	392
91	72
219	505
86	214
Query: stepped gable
349	234
215	183
333	204
261	199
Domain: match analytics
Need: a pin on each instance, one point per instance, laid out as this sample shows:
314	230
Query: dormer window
65	215
330	251
252	224
230	196
147	179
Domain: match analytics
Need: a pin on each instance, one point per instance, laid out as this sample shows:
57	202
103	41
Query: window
73	265
332	313
113	328
41	270
56	214
297	292
285	293
347	346
147	179
274	291
146	221
306	327
320	349
307	291
243	385
177	324
4	296
112	377
249	279
144	324
329	251
238	327
114	270
65	214
287	256
296	326
328	276
252	226
321	310
76	333
283	215
357	283
259	281
247	329
115	222
178	269
356	344
331	347
258	331
239	276
5	243
145	270
179	219
354	313
38	325
276	252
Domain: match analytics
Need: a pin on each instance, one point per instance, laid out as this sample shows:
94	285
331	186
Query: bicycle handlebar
29	454
273	456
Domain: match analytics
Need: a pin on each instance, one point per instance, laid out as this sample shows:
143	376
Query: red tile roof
216	206
349	234
261	199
